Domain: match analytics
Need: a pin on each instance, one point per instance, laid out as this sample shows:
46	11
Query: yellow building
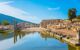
44	23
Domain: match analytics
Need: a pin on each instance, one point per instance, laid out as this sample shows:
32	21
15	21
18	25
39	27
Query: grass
2	31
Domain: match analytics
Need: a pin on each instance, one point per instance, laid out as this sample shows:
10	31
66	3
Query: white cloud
56	8
7	9
8	2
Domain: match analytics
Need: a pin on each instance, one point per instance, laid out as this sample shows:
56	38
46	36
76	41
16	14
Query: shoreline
57	34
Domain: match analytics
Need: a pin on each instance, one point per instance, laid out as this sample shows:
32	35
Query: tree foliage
5	22
78	17
71	13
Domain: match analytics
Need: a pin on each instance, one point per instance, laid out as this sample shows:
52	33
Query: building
44	23
7	27
27	25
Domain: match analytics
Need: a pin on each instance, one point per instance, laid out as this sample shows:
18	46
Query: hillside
10	19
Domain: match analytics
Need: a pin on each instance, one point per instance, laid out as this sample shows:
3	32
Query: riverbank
34	29
67	35
71	40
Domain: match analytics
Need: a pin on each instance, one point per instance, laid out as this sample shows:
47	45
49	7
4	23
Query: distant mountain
10	19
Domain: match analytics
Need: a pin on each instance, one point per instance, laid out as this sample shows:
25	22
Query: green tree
5	22
78	17
71	13
0	23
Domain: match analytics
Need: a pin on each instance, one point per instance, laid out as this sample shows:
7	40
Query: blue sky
37	10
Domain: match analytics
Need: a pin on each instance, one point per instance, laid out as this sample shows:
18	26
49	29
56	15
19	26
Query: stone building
44	23
27	25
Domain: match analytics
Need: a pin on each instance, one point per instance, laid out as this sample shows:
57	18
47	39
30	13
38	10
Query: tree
72	13
5	22
0	23
78	17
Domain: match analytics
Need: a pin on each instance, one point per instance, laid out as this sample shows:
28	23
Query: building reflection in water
18	35
70	47
5	35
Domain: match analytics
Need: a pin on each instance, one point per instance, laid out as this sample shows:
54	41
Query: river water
31	41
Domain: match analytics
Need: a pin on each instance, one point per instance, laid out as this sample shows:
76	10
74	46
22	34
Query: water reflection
19	35
49	36
70	46
5	35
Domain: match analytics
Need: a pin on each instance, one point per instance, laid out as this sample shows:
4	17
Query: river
31	41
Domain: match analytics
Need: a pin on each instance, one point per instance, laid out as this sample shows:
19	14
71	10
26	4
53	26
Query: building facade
27	25
44	23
